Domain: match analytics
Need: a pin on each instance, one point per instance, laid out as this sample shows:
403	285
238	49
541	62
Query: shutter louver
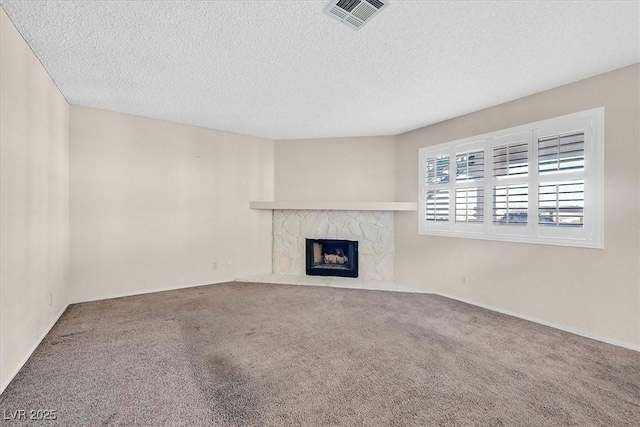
470	165
562	152
438	170
561	204
510	204
470	205
437	205
511	159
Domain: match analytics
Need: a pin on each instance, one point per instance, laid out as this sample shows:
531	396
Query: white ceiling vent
355	13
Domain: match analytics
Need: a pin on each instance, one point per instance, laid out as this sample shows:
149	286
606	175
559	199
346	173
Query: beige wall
593	291
154	203
34	201
335	169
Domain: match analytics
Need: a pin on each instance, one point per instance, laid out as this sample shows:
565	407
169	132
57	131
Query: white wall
154	203
335	169
34	201
593	291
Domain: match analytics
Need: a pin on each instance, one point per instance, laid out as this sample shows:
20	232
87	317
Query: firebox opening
332	258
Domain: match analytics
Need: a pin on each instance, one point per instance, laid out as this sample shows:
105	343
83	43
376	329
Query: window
537	183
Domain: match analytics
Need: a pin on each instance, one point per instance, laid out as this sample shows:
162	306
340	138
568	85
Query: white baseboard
373	285
486	306
33	348
543	322
151	291
30	352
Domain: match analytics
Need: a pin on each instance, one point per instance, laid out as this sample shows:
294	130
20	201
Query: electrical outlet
463	280
229	264
51	298
214	265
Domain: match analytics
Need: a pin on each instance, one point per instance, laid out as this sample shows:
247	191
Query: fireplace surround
373	230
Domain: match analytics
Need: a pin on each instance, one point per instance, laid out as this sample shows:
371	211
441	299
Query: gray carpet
241	354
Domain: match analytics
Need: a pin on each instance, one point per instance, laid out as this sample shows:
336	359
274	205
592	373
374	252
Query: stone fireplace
373	230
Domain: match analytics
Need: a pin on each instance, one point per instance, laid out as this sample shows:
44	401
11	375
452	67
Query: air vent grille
376	3
364	11
353	21
339	12
348	5
354	13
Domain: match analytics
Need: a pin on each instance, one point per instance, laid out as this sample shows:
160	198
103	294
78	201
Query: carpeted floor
241	354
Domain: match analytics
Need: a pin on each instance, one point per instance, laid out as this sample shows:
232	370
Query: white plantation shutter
511	159
561	204
469	205
537	183
437	191
438	169
469	187
559	153
437	205
470	165
510	194
510	204
570	190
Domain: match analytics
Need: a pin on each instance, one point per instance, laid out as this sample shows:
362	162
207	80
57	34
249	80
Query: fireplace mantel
335	206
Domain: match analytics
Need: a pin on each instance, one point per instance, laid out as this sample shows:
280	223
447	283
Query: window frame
589	235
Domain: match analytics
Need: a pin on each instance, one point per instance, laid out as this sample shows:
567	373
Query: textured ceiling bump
283	69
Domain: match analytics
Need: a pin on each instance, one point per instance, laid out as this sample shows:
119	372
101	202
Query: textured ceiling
283	69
